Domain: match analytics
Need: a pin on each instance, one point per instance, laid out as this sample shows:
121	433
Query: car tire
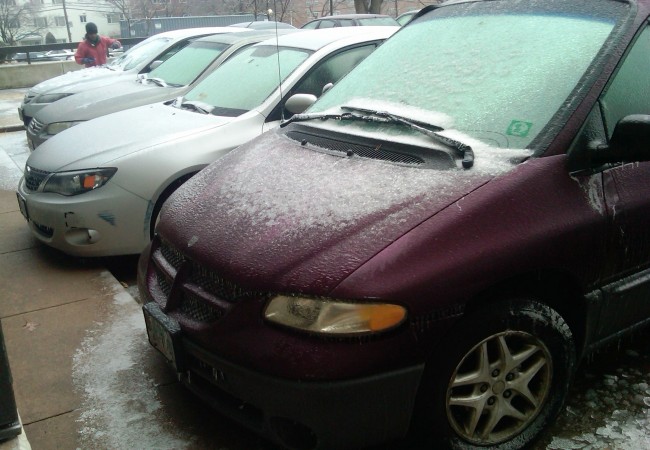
502	375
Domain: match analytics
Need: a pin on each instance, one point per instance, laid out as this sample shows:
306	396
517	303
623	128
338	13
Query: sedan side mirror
298	103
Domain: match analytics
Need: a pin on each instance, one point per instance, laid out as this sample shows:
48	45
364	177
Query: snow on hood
94	103
84	78
99	141
274	214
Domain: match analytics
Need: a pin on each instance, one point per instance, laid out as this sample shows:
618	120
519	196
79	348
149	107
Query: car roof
188	32
352	16
231	38
317	39
262	25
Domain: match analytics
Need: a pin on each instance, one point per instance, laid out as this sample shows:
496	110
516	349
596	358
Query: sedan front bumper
106	221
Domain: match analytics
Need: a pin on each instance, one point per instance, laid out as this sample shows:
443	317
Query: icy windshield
183	67
497	76
248	78
142	53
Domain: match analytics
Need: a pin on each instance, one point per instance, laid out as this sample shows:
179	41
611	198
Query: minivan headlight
57	127
335	317
50	98
79	181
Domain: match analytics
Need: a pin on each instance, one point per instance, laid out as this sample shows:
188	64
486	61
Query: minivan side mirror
298	103
630	142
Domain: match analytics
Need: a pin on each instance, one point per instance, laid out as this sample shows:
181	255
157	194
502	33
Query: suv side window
629	92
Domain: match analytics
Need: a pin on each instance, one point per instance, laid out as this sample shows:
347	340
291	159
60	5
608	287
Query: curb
11	128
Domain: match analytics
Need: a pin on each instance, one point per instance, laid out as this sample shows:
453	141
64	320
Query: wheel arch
557	289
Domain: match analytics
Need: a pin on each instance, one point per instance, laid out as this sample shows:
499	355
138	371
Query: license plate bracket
164	334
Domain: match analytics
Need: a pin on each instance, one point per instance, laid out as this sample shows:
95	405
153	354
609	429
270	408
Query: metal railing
6	52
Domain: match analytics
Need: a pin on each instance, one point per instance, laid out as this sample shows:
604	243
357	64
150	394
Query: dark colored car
431	253
351	20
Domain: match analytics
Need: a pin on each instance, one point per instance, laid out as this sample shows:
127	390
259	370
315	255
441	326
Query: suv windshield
141	53
496	75
183	67
251	76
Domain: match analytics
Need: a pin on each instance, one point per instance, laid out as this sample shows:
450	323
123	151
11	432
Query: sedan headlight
57	127
78	182
50	98
327	316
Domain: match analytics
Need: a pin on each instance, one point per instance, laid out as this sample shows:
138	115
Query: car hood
273	214
114	97
84	78
100	141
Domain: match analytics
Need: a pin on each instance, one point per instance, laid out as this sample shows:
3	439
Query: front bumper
295	414
106	221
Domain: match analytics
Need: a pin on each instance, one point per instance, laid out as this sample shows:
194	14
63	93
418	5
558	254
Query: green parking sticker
519	128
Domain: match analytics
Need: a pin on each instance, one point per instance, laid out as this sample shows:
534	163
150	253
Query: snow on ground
120	400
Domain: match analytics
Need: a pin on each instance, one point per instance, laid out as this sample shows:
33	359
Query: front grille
35	126
171	255
191	289
44	230
196	308
34	177
365	151
216	285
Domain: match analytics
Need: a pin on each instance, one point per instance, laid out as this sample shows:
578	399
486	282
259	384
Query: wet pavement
85	376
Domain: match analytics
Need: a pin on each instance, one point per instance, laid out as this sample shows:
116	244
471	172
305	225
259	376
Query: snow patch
119	400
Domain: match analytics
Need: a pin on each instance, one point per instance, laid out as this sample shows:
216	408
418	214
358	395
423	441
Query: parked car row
138	60
436	233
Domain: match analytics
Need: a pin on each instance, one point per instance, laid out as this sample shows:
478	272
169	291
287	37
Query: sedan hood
100	141
94	103
274	214
93	76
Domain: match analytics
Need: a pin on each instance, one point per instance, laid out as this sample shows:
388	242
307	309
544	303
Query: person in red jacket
93	50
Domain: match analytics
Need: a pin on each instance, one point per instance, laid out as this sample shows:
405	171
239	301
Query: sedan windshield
247	79
141	53
497	76
183	67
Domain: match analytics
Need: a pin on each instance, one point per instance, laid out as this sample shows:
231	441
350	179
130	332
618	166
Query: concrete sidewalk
10	99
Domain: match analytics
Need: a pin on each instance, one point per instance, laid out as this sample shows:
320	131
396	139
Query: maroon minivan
432	245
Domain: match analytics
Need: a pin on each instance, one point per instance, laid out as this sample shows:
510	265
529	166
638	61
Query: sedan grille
35	126
34	178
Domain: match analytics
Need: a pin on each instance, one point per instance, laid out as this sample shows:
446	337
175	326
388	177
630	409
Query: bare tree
368	6
16	22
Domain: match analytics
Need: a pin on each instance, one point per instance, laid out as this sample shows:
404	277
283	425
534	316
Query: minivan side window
629	92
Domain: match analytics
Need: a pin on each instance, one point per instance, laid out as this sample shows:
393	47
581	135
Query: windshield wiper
370	115
159	81
200	107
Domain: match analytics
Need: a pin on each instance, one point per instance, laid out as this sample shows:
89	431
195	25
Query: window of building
40	21
59	21
113	18
83	18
